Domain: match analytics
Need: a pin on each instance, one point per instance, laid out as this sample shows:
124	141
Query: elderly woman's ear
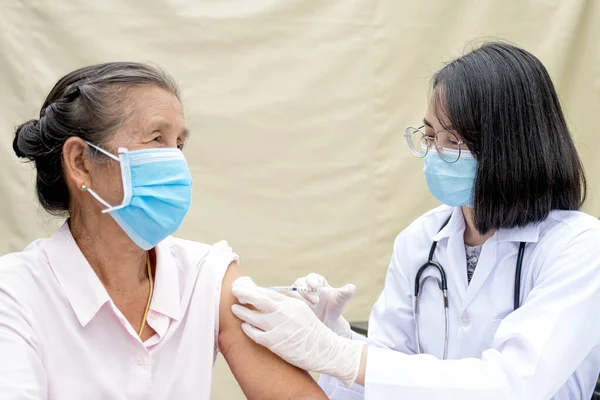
76	164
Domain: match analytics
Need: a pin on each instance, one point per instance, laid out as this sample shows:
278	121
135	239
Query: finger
347	291
314	281
253	333
243	282
344	294
295	295
274	294
252	317
300	282
255	297
311	297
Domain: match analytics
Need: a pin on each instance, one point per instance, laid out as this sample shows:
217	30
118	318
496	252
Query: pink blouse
61	336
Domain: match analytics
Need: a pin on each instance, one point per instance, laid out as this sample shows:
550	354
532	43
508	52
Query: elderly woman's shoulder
24	271
194	253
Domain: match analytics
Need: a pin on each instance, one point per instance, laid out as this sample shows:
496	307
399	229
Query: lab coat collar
529	233
455	225
454	232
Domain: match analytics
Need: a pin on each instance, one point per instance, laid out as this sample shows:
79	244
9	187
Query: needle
298	289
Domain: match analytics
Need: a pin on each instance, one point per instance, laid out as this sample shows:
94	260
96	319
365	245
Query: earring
84	188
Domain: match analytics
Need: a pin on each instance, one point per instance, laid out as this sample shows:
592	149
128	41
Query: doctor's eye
447	140
454	142
428	140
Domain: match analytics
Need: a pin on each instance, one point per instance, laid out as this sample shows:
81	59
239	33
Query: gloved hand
290	329
328	303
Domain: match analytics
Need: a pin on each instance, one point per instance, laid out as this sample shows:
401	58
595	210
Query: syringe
299	289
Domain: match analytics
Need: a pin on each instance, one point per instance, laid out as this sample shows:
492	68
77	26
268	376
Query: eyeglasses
446	144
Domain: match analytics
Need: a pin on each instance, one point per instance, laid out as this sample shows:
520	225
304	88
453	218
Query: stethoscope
443	285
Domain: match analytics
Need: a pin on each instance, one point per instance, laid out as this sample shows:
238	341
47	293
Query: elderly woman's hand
289	328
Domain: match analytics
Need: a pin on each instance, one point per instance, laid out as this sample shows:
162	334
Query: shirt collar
166	299
83	288
81	285
529	233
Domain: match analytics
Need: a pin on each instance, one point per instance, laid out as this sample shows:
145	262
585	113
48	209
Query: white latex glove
328	303
289	328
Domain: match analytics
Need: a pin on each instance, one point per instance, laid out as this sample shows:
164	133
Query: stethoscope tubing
443	285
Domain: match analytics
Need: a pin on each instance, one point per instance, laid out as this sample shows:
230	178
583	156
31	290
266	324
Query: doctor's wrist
347	358
342	328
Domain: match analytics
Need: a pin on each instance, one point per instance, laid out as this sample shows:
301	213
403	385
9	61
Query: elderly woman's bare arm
260	373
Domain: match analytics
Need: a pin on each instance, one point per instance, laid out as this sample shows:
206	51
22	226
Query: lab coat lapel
457	261
485	265
451	236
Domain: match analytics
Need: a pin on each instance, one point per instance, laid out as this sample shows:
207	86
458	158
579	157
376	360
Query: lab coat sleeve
534	351
391	324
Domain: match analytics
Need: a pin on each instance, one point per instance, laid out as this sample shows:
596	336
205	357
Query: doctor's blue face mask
157	193
451	183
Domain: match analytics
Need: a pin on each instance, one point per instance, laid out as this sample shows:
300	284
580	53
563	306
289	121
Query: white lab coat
548	348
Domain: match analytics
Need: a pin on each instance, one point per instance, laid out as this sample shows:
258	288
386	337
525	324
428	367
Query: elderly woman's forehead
140	98
154	107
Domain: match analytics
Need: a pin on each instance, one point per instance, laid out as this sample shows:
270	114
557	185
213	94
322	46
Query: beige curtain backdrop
297	110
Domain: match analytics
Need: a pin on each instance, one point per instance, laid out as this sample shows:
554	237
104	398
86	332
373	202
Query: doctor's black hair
501	100
88	103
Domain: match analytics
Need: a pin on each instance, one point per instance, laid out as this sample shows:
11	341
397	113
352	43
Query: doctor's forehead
431	121
435	116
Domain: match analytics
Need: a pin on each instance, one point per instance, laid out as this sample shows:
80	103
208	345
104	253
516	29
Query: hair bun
28	140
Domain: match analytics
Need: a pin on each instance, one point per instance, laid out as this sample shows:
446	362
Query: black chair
596	395
362	327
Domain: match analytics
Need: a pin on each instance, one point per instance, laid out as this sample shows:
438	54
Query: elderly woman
112	306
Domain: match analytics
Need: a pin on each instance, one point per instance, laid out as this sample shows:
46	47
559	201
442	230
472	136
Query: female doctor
495	294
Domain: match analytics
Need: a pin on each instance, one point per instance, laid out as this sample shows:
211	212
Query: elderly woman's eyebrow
165	125
161	125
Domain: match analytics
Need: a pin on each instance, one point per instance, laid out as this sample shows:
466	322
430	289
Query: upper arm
260	373
22	374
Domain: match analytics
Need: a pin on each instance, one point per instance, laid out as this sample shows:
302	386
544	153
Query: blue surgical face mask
451	183
157	193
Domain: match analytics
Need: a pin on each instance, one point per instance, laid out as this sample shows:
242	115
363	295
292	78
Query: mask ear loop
101	150
94	194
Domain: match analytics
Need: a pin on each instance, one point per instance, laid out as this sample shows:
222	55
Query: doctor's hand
327	304
290	329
